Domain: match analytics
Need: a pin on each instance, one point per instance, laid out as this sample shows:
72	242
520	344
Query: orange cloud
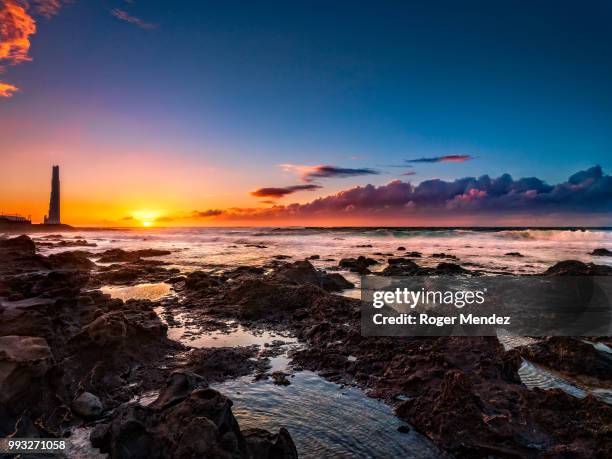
16	26
7	90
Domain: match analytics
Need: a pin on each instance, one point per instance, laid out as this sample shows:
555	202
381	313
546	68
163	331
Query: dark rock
404	428
444	255
571	356
601	253
577	268
184	422
281	257
359	265
280	378
302	272
199	280
450	268
120	255
313	257
87	405
400	261
20	245
514	254
109	329
24	362
220	363
401	247
72	260
263	444
401	267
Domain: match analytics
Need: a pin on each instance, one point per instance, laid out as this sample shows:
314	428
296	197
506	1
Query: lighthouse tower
53	218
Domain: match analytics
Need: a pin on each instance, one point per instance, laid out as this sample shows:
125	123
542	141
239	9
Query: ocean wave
557	235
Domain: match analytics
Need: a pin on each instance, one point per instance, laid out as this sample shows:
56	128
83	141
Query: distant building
53	218
14	219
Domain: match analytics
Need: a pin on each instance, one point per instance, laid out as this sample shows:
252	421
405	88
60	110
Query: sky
332	113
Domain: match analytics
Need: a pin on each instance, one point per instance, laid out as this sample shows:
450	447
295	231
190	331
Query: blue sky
522	87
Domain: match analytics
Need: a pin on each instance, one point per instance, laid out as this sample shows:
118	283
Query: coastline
444	389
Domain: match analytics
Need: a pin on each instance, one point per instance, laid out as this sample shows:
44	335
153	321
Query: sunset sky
273	113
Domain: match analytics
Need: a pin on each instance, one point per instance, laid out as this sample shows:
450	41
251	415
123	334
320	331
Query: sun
145	217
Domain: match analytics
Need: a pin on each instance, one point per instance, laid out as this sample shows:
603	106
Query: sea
326	419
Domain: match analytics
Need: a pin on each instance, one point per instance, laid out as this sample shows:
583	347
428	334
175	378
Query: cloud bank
585	192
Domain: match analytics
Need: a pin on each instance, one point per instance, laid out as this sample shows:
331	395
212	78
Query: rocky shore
73	356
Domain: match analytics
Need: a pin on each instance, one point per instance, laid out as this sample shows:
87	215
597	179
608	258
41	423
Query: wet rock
413	254
280	378
334	282
65	243
281	257
109	329
199	280
514	254
401	267
178	387
117	274
60	283
20	245
359	265
132	272
314	257
302	272
577	268
571	356
87	405
246	271
601	253
450	268
444	255
24	361
263	444
183	422
221	363
72	260
258	299
401	247
120	255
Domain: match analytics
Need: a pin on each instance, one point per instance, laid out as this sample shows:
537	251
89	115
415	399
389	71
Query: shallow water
147	291
533	375
325	420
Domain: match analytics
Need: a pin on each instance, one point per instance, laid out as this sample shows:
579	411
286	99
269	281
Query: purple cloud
311	173
442	159
125	16
586	192
276	193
